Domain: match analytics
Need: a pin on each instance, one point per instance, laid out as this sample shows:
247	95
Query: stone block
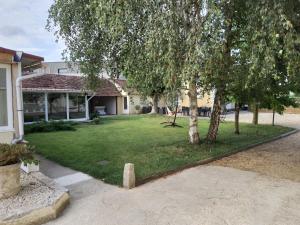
129	176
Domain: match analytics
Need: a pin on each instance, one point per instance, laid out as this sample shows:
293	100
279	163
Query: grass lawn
141	140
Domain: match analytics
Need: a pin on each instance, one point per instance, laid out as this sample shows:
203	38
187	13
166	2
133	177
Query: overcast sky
22	27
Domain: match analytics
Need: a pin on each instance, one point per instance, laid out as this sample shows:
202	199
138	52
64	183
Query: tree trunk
255	114
273	118
193	124
215	118
237	118
154	109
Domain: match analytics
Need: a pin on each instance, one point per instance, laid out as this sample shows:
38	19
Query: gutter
20	103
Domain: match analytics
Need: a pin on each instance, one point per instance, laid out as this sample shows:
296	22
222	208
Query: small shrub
96	120
11	154
50	126
94	115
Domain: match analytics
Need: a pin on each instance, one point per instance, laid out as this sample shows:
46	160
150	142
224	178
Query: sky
22	28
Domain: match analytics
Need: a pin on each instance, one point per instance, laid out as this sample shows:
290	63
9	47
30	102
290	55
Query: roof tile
57	82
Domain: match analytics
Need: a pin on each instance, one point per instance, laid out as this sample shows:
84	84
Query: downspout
20	103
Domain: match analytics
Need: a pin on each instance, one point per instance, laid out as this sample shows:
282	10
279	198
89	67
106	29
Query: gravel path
33	195
286	119
280	159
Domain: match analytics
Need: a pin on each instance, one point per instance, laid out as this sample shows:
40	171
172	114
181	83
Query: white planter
30	167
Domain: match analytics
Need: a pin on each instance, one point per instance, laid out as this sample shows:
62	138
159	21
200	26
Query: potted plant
29	166
10	158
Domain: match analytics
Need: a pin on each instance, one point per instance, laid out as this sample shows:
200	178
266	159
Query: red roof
8	51
67	83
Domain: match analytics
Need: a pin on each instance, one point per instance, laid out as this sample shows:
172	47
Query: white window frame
126	111
9	127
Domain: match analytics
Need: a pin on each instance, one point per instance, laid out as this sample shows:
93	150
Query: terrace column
46	106
67	105
86	108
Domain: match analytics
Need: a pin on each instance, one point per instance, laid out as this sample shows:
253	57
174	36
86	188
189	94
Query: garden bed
38	201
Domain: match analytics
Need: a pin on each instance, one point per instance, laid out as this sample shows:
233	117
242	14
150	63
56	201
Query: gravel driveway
286	119
279	159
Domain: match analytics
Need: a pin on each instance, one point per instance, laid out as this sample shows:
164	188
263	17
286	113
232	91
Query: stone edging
209	160
43	215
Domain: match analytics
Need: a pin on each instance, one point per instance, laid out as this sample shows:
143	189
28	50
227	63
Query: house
66	97
12	64
126	99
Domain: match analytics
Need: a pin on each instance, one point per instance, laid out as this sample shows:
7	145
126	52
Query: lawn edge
211	159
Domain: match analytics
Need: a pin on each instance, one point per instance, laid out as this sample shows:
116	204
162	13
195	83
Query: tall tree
273	34
109	35
219	64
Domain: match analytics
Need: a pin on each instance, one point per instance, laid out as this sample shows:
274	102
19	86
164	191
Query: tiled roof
67	83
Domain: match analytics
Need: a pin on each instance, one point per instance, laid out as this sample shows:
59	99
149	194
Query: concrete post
129	176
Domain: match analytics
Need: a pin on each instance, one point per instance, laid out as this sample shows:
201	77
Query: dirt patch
280	159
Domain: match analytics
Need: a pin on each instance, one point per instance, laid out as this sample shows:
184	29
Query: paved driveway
215	194
206	195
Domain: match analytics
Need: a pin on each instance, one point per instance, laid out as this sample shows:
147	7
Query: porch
104	105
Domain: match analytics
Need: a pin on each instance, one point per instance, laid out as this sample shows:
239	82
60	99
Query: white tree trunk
193	123
154	109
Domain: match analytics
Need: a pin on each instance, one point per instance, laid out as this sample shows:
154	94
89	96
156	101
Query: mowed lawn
102	150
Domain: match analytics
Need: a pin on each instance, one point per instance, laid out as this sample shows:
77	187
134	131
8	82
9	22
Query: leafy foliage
96	120
247	51
11	154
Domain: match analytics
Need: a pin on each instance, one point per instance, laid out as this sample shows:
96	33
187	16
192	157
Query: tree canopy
247	51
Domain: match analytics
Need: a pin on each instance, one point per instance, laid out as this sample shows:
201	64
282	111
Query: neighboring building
12	64
65	68
58	97
205	100
131	98
59	68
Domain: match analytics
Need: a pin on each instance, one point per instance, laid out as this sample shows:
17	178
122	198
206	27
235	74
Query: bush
96	120
11	154
94	115
50	126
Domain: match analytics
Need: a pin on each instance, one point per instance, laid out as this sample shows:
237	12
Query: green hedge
50	126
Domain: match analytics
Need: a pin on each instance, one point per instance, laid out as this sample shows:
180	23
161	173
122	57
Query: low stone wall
40	200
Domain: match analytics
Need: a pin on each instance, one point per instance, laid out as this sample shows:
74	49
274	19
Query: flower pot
9	180
30	167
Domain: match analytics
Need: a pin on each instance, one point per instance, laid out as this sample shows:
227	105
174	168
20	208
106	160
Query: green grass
141	140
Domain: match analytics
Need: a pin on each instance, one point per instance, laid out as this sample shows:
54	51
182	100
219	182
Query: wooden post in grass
129	176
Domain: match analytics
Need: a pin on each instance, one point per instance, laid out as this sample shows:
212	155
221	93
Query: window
34	107
125	103
76	106
62	70
3	98
57	106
